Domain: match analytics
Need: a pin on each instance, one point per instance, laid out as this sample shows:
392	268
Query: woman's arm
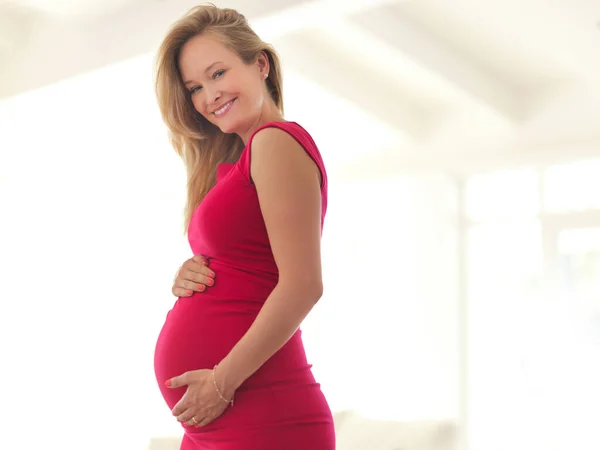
288	184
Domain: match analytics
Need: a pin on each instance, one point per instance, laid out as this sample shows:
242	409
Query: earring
265	76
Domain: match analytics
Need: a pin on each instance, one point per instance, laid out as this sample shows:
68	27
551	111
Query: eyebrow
205	70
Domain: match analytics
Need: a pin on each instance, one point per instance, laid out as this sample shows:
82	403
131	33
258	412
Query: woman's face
227	92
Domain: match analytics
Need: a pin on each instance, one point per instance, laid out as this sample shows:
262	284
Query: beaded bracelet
217	388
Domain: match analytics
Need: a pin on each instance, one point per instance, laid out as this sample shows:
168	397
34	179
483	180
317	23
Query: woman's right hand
194	275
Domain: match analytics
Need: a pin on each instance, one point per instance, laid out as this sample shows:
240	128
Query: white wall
391	296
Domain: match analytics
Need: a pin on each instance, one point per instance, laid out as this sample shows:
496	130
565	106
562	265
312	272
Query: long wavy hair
202	145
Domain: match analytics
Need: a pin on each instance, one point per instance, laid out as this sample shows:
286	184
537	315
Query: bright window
534	322
508	194
572	186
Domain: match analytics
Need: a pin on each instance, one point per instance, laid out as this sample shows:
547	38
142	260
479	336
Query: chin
229	126
227	129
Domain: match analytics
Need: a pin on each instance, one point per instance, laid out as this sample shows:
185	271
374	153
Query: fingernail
201	287
168	383
205	262
210	282
189	292
211	274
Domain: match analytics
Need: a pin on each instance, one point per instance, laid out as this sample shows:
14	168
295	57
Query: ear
262	62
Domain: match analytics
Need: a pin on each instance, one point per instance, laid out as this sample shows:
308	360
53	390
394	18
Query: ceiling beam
441	61
72	47
311	14
392	163
65	48
311	55
15	25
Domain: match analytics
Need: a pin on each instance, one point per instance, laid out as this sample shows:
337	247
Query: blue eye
217	74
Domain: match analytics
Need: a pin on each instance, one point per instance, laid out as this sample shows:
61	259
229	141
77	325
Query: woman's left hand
201	403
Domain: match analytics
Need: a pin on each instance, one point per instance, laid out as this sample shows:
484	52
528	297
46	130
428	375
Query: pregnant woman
229	360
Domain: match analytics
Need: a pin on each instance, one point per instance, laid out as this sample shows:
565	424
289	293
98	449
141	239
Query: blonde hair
202	145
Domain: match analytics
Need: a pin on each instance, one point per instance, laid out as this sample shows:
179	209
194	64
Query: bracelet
217	388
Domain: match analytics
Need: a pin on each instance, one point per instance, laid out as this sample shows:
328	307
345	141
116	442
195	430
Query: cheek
240	86
254	94
199	105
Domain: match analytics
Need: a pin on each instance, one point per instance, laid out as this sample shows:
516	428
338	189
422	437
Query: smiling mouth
224	109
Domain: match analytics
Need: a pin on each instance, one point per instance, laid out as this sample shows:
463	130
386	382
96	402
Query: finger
178	381
187	417
181	292
192	265
206	277
204	422
201	259
191	280
195	268
189	285
177	273
193	423
180	409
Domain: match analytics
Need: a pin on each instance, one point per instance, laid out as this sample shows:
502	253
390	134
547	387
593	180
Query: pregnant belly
197	334
201	330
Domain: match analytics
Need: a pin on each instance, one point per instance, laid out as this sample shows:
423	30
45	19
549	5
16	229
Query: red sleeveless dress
281	406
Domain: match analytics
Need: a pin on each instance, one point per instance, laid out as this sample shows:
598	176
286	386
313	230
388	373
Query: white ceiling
454	84
71	8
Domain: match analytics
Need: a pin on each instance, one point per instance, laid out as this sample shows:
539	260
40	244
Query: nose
212	96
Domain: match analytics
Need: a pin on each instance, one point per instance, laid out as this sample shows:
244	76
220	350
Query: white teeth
222	110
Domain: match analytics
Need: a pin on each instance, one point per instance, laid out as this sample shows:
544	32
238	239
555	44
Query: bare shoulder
273	147
272	139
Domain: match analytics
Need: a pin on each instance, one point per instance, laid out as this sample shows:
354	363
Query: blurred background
462	246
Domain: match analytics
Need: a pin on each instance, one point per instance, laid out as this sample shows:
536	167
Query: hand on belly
201	403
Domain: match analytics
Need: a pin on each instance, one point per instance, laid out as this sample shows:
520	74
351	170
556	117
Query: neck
269	114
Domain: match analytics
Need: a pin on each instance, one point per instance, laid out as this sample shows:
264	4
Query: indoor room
460	251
